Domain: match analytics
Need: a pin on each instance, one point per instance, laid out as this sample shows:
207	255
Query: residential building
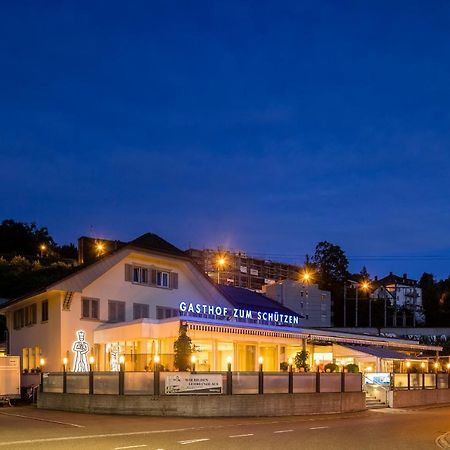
404	297
307	300
239	269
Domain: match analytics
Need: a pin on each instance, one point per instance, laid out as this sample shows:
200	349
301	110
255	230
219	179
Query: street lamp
91	362
365	286
65	361
229	359
43	249
193	361
220	264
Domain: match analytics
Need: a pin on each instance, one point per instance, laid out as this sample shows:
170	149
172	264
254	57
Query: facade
307	300
404	296
240	270
130	303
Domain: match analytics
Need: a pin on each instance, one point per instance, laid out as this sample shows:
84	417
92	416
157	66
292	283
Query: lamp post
91	374
365	286
260	376
422	366
291	377
156	377
41	366
193	361
408	367
229	376
121	374
65	362
43	249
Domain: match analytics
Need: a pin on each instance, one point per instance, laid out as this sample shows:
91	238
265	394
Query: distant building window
163	312
44	311
162	279
140	311
302	293
89	308
306	316
116	311
301	304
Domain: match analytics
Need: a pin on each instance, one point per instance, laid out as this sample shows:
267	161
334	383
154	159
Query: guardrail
233	383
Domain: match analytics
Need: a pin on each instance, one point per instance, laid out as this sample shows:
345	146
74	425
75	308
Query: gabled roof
155	243
395	279
244	298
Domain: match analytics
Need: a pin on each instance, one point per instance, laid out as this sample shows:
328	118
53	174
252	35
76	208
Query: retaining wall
418	397
206	405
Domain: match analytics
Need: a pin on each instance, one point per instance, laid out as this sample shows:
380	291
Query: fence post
64	387
343	381
229	380
91	381
423	380
156	379
41	386
121	375
409	381
317	381
291	380
260	378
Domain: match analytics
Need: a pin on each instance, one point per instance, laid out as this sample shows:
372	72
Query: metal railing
154	383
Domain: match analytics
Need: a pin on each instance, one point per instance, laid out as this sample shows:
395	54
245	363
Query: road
421	429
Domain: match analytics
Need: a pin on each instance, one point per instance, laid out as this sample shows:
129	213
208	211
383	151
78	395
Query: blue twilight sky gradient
262	126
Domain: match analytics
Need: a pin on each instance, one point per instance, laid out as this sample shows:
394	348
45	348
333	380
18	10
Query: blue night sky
261	126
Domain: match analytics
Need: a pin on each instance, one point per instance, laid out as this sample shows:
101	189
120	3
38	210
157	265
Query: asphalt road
29	428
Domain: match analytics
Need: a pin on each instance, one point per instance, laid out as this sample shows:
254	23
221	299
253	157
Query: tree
331	264
430	299
182	348
17	238
301	359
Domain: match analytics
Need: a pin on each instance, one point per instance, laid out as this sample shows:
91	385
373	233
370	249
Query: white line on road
318	428
240	435
192	441
130	446
283	431
92	436
42	420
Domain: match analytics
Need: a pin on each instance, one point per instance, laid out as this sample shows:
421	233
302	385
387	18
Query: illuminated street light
100	247
220	265
408	365
156	359
193	361
43	249
42	362
306	277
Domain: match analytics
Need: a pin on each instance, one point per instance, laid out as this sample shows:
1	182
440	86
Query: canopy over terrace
217	340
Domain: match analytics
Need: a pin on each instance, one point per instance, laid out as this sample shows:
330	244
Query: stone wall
207	405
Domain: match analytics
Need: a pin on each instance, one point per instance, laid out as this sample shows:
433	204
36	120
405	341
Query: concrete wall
207	405
419	397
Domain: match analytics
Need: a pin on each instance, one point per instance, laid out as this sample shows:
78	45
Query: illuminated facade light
156	359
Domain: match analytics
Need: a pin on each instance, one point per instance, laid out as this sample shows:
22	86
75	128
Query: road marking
192	441
318	428
442	442
240	435
283	431
42	420
92	436
131	446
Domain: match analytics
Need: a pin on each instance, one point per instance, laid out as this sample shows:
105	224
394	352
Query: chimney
376	278
405	276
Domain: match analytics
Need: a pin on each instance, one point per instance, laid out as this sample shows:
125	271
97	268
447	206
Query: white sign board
188	383
377	378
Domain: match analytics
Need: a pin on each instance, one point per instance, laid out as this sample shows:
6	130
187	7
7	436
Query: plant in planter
284	366
331	367
301	359
352	368
182	348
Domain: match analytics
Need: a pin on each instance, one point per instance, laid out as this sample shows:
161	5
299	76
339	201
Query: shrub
331	367
352	368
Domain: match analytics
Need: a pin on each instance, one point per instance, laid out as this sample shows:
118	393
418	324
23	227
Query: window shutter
121	312
173	282
128	268
153	278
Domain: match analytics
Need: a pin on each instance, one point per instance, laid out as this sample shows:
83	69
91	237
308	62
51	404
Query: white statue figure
81	349
114	357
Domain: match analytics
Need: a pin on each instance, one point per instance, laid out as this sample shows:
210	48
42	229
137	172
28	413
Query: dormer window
140	275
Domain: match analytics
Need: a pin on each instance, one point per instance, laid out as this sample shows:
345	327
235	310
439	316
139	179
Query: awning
379	352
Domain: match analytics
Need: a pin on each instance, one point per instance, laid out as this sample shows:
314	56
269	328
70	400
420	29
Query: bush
284	366
300	360
352	368
331	367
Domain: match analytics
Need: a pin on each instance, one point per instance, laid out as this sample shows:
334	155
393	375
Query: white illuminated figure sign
81	349
114	357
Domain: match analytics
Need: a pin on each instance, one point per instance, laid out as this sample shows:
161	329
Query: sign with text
377	378
188	383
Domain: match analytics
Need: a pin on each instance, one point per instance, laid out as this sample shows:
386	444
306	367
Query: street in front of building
420	428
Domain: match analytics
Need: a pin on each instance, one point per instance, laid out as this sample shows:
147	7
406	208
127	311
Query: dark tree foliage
182	348
17	238
430	298
331	264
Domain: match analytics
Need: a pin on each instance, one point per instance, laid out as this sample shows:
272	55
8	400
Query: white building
404	296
